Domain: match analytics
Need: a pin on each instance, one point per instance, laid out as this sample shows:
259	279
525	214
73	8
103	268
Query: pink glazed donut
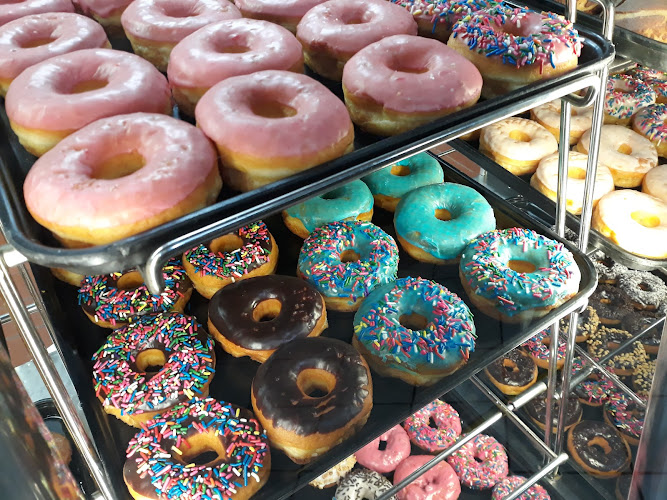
438	483
54	98
33	39
105	12
480	463
446	419
228	48
286	13
503	489
384	461
15	9
154	27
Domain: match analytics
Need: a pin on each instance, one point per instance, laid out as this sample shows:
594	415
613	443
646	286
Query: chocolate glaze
231	311
608	303
280	400
638	321
593	456
537	409
507	376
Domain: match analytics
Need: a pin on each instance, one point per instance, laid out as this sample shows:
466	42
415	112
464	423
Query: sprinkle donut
480	463
625	95
650	122
624	414
657	80
439	482
362	483
505	487
593	391
644	290
397	449
431	439
539	349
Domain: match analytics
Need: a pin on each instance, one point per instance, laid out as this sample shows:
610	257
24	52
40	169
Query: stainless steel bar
582	101
551	380
11	256
565	380
6	318
543	472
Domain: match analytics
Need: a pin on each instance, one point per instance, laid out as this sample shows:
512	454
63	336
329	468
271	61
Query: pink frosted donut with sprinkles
508	485
480	463
160	457
538	348
625	96
513	47
624	414
651	122
594	391
446	432
124	376
247	252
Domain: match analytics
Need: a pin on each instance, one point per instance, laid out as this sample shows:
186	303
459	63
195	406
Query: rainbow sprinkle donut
541	351
426	437
480	463
625	95
651	122
624	414
657	80
511	483
592	391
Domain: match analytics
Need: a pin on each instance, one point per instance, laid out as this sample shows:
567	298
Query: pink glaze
344	27
101	8
445	417
383	461
69	32
480	463
15	9
450	80
202	59
41	97
172	20
61	186
282	9
225	115
439	483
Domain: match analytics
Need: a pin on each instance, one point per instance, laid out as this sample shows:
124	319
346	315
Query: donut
154	27
415	330
147	367
516	274
228	48
120	176
598	448
434	223
513	47
650	123
545	180
284	13
344	261
334	475
588	323
513	372
333	31
536	409
608	269
247	252
116	299
254	317
329	387
595	390
433	439
438	482
548	115
385	452
624	414
637	222
655	79
609	305
105	12
506	486
391	183
33	39
539	350
16	9
160	457
626	153
271	124
516	144
403	81
54	98
642	379
655	183
638	321
625	96
351	201
644	290
362	483
623	483
606	339
67	276
62	446
480	463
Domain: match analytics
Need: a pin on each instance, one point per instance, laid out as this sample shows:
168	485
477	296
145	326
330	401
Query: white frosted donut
548	115
655	182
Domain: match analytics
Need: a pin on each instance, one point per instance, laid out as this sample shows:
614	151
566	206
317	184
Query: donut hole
230	46
600	444
519	136
510	365
443	214
36	42
130	281
624	149
88	86
645	219
400	170
225	244
267	310
150	361
382	445
413	321
331	195
576	173
405	65
349	255
357	16
178	10
201	450
314	383
478	459
119	166
521	266
268	107
432	423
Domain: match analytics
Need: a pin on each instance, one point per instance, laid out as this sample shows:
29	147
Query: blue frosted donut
414	329
434	223
516	274
389	184
346	260
353	201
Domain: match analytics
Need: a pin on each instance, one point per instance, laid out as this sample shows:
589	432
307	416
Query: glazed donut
439	482
286	13
116	299
254	317
655	183
434	439
588	323
607	339
609	304
403	81
538	348
33	39
332	32
159	458
536	409
352	201
625	96
362	483
642	379
506	486
16	9
480	463
228	48
650	123
513	372
517	144
297	372
608	269
595	390
272	124
637	222
154	27
626	153
247	252
434	223
545	180
415	330
644	290
391	183
120	176
346	260
126	377
598	449
334	475
52	99
105	12
624	414
513	47
638	321
396	449
548	115
516	274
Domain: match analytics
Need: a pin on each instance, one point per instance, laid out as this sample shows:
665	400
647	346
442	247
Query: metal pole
544	472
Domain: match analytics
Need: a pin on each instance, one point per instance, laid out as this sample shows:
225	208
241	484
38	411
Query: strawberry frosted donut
403	81
105	12
154	27
397	448
15	9
286	13
334	31
447	431
511	483
439	483
480	463
49	101
228	48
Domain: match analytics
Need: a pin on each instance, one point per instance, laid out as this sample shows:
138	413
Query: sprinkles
651	122
625	95
438	11
432	439
537	347
593	391
484	474
505	487
624	414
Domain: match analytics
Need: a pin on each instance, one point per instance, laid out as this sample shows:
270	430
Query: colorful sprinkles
594	391
624	414
434	439
625	95
651	121
537	347
485	473
439	11
505	487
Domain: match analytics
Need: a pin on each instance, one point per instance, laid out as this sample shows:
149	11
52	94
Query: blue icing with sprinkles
396	180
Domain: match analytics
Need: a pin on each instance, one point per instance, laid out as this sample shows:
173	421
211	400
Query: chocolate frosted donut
537	411
607	339
598	448
512	373
588	324
608	270
638	321
643	289
255	316
609	304
642	380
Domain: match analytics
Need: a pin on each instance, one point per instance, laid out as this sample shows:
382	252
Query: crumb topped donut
16	9
625	96
606	339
